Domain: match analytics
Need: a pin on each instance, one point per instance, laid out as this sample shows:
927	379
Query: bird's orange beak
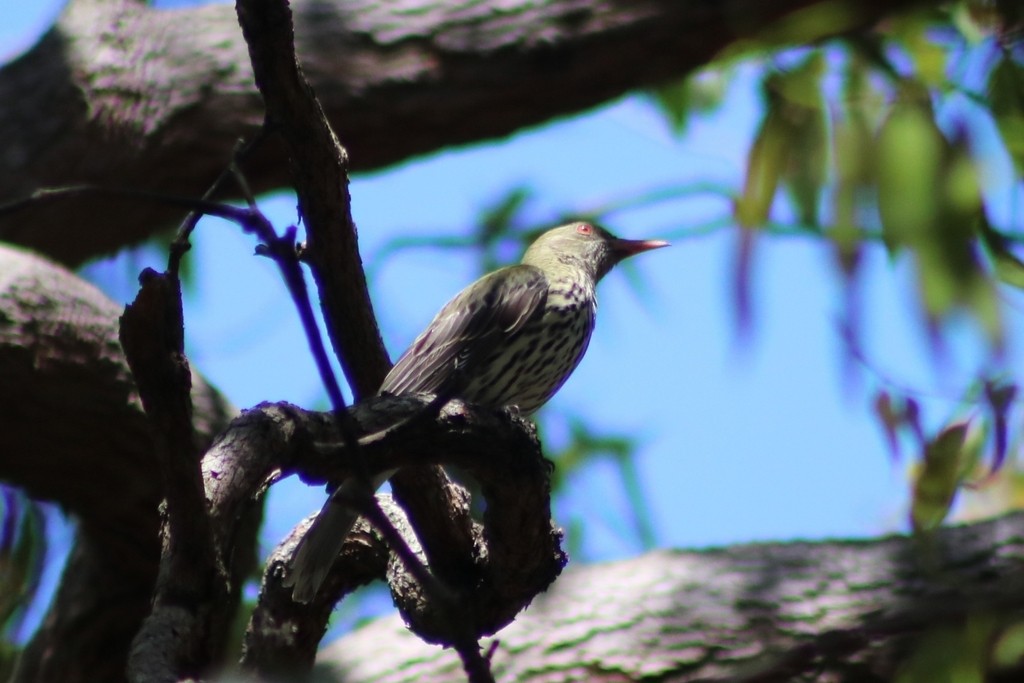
625	248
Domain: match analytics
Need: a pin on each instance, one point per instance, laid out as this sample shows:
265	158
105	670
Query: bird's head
586	246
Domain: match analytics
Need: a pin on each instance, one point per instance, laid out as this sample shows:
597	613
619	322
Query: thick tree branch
119	93
773	610
176	640
74	432
833	611
282	637
56	329
319	166
516	554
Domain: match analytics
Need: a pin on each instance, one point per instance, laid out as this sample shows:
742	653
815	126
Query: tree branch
517	551
176	640
841	610
120	93
74	432
319	166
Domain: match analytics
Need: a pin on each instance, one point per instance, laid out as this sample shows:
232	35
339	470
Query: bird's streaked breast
536	362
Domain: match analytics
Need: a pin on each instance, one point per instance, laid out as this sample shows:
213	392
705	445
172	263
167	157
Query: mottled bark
832	611
118	93
319	166
74	432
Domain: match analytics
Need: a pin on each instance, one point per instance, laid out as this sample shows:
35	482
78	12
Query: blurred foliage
952	653
955	456
498	226
584	445
877	137
866	138
789	147
702	93
22	549
1008	649
944	464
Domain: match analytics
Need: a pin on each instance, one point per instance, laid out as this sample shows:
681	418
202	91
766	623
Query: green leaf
854	148
791	145
765	163
930	203
497	219
939	478
1008	650
909	154
853	158
1008	268
951	652
810	24
497	222
927	54
1005	91
804	109
955	274
967	21
673	101
700	92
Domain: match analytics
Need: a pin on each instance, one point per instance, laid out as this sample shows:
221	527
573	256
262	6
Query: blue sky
760	440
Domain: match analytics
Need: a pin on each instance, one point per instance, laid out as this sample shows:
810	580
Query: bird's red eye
584	229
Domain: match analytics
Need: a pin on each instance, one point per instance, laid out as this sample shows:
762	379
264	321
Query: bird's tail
322	544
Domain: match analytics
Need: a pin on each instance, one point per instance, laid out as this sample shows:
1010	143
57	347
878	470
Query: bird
509	340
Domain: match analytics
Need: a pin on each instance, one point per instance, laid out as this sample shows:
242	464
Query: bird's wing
468	328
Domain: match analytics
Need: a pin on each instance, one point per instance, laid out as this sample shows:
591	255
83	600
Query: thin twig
282	249
181	244
46	196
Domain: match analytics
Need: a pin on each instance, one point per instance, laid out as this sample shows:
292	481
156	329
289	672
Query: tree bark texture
319	166
121	94
74	431
832	611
